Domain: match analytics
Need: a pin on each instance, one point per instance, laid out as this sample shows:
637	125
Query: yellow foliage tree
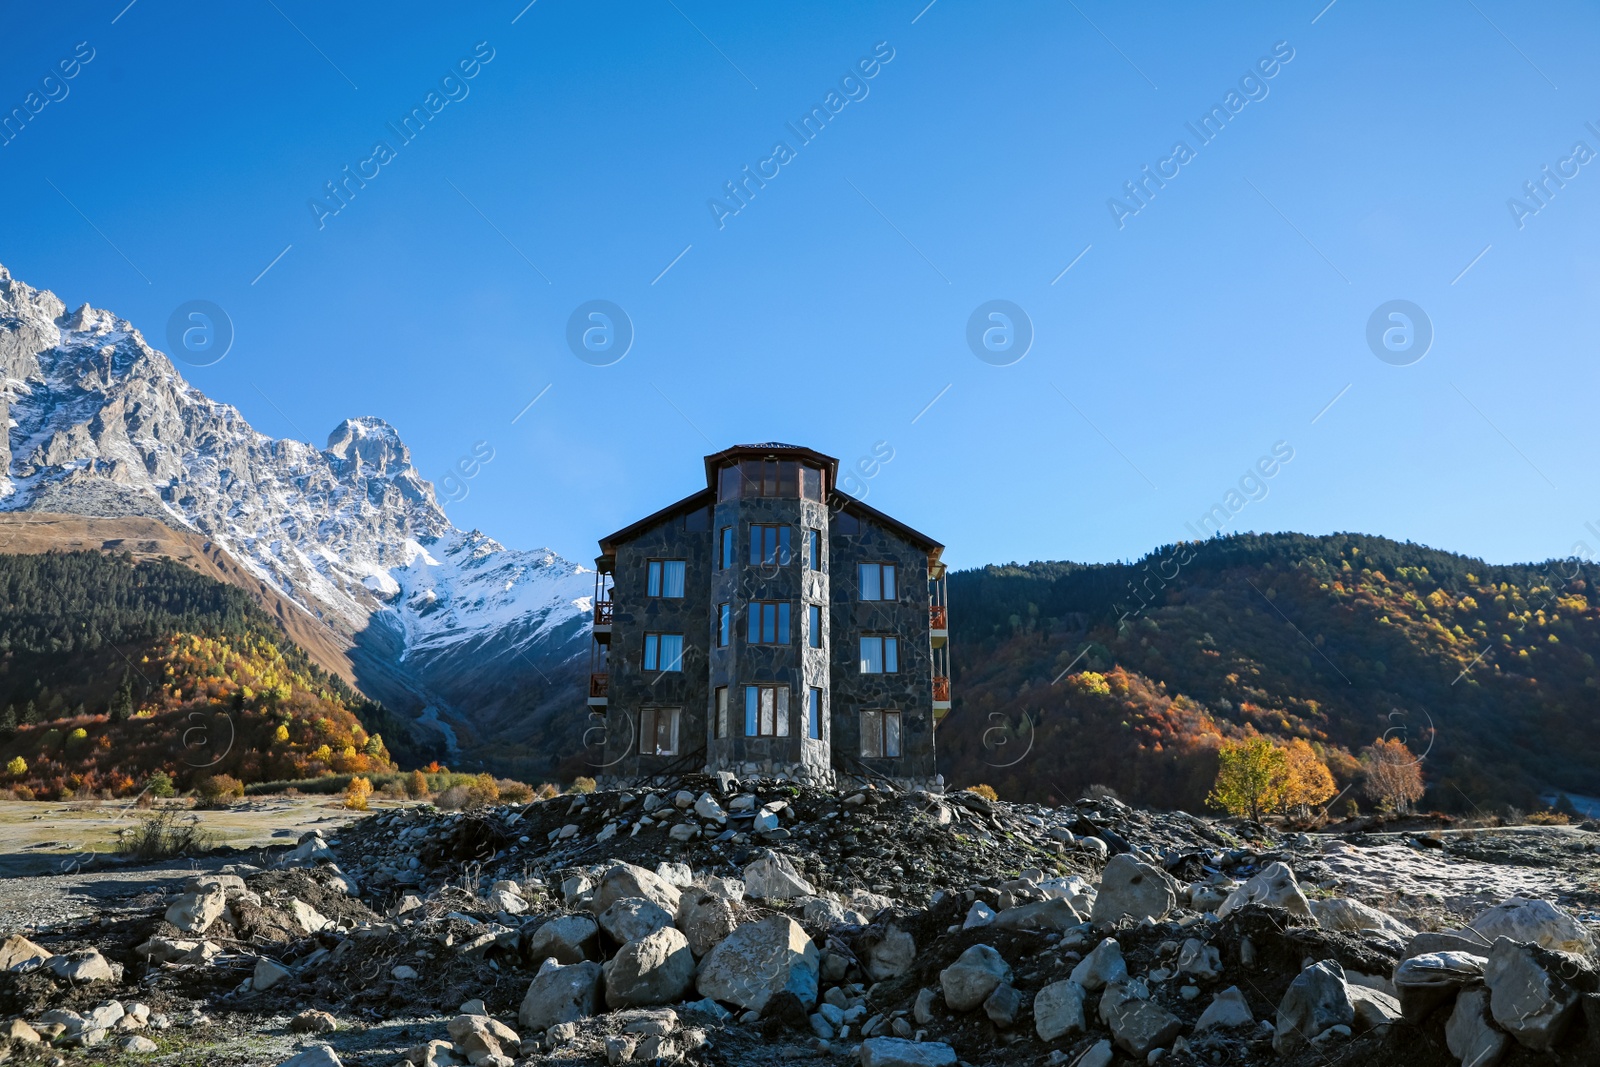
356	793
1307	779
1251	776
1394	775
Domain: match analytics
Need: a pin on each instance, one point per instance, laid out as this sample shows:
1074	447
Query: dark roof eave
688	503
917	537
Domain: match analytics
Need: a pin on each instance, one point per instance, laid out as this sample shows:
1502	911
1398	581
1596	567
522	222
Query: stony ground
719	922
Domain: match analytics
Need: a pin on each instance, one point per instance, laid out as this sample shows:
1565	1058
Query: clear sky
976	163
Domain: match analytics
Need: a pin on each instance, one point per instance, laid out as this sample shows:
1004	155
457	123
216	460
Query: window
811	483
880	655
814	715
665	578
663	652
769	622
658	731
814	549
725	560
769	544
814	625
720	712
877	581
762	478
880	734
724	624
766	711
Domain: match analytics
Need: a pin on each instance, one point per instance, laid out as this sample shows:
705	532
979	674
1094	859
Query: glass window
728	482
766	711
658	731
880	655
814	715
880	734
769	544
814	625
768	623
814	549
811	483
720	716
664	577
726	559
724	624
877	581
663	652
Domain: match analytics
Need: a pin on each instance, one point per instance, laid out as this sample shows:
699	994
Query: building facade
770	624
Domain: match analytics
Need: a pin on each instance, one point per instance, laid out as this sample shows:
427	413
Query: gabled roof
865	511
769	450
627	533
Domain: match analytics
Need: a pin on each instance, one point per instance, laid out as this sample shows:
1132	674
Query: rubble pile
720	921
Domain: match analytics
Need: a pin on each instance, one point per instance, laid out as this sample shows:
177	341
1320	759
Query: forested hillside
111	670
1131	675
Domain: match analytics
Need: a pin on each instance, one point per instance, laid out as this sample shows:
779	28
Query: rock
1316	1000
1070	887
1003	1005
624	880
1429	941
898	1052
1058	1010
968	981
676	874
1352	916
16	950
648	1022
1227	1009
170	950
759	959
619	1049
19	1030
85	966
1275	886
1423	983
507	901
1137	1023
310	919
1130	888
561	993
1471	1034
1101	967
1199	959
313	1056
193	913
708	808
1204	897
1094	845
312	1021
705	919
631	918
267	974
403	972
980	914
922	1007
773	877
891	956
1538	921
683	831
655	969
1056	915
1527	1000
434	1053
1373	1007
479	1036
566	938
137	1045
1099	1054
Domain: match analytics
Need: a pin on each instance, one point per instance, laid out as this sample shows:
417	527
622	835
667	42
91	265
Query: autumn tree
1251	776
1393	774
357	792
1307	780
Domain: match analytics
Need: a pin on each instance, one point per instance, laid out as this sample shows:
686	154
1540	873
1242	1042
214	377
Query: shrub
417	785
22	792
985	791
583	784
219	790
159	784
1102	792
483	791
547	791
17	767
452	799
356	793
513	792
165	835
1549	818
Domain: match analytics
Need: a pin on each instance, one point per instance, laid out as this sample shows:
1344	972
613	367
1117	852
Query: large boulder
1058	1010
1536	921
656	969
705	919
1103	966
1137	1023
1528	996
968	981
1373	1007
566	939
193	913
1431	980
1316	1000
85	966
899	1052
623	880
773	877
561	993
1471	1034
1130	888
631	918
1055	915
758	960
1227	1009
17	950
478	1036
891	955
1351	916
1274	886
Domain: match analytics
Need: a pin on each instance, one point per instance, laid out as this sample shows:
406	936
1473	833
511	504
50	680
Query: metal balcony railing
939	617
600	684
603	611
941	687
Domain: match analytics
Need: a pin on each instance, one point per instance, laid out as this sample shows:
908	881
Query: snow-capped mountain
100	423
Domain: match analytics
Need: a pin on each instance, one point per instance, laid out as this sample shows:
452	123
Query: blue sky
976	164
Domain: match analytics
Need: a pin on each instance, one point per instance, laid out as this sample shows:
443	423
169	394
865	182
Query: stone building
770	624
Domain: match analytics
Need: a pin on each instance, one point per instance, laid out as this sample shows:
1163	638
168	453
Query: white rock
1470	1032
759	959
561	994
655	969
898	1052
632	918
1129	888
1275	886
313	1056
267	974
1529	1002
1538	921
1101	967
1058	1010
1315	1001
968	981
773	877
194	912
980	914
1227	1009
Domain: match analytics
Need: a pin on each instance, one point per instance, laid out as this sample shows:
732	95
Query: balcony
599	689
941	696
939	624
603	612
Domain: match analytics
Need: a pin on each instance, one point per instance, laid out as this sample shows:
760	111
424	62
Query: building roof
689	503
769	450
